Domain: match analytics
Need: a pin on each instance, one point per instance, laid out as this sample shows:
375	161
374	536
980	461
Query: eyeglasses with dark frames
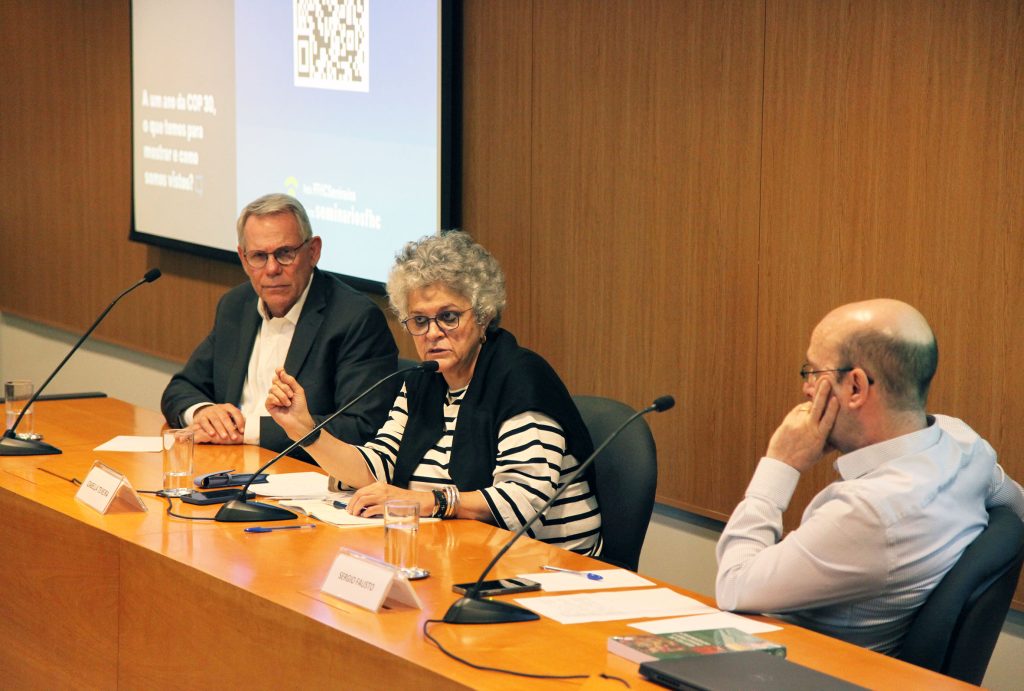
446	320
282	255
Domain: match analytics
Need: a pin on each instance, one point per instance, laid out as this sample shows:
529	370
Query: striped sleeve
381	451
531	464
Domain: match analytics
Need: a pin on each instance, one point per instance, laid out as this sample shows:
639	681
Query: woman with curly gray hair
489	436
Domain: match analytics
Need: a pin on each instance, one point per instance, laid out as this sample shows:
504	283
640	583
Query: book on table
663	646
748	671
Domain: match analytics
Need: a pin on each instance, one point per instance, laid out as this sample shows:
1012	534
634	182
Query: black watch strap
312	439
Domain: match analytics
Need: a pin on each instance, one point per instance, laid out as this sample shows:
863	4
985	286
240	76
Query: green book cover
661	646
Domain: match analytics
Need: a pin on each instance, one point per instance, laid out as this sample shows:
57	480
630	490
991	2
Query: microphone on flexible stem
473	609
241	511
10	443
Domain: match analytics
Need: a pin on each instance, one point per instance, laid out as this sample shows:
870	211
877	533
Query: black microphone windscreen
663	403
429	365
151	275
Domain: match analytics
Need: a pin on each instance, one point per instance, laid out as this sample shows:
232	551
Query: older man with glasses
912	492
289	314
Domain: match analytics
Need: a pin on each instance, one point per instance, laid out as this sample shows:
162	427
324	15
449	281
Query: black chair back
626	476
956	629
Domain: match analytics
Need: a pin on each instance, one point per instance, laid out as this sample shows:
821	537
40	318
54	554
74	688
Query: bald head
891	341
891	318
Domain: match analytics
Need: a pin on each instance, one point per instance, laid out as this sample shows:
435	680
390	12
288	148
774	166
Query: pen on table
335	503
586	574
265	529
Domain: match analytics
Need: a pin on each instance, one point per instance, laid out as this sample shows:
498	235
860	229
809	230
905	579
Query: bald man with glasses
913	490
289	314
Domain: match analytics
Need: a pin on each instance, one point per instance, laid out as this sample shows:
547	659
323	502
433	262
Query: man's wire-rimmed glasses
811	375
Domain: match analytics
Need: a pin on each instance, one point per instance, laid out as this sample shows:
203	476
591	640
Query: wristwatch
312	439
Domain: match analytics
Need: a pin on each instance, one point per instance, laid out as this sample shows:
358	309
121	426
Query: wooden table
144	600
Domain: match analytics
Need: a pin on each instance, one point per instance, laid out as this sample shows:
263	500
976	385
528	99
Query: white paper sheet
555	582
611	606
136	444
704	622
328	514
311	485
321	510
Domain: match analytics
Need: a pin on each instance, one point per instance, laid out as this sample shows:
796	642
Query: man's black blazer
341	346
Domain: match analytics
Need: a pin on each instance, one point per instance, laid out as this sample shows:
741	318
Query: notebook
749	670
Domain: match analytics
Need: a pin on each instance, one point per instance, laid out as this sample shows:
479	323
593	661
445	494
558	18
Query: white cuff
252	430
190	413
774	481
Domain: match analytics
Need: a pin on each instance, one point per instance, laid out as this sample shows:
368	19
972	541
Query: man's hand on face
802	438
219	423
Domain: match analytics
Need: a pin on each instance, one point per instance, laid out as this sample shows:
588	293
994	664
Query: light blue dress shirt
871	546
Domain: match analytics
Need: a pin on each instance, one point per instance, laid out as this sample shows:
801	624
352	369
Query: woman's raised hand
286	403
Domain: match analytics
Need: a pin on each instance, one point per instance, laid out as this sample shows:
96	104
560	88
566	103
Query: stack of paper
323	510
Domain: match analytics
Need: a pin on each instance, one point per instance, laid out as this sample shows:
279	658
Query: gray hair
456	262
275	203
904	369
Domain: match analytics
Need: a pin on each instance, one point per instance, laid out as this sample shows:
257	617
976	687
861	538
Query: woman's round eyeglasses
447	320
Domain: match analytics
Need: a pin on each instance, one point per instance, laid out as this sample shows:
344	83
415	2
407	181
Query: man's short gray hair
904	369
455	261
275	203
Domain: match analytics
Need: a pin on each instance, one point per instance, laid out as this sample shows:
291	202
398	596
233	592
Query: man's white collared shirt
273	339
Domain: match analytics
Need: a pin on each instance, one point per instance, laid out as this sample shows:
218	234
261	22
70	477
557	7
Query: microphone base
237	511
468	610
15	446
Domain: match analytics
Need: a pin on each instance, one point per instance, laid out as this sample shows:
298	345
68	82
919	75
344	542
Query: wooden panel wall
877	143
644	193
678	190
892	167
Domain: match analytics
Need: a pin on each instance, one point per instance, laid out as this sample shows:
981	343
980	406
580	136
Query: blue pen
265	529
587	574
336	504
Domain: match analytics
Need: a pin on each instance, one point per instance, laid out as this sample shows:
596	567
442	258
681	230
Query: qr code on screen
332	44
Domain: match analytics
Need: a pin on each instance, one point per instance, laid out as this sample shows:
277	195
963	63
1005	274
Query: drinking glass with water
178	459
17	392
401	524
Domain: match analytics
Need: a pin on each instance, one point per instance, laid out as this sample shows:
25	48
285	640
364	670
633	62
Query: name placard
370	583
104	486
